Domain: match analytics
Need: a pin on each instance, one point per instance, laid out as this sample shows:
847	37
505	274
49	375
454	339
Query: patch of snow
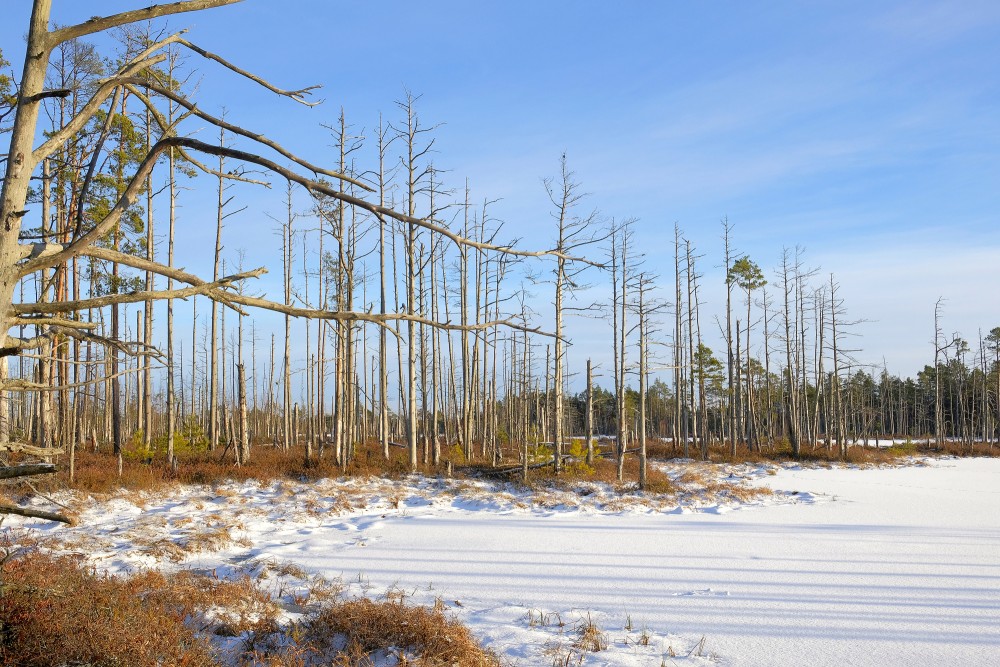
877	566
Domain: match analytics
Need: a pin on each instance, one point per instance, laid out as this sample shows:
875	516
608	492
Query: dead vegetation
97	472
53	611
671	481
417	636
195	539
566	650
590	637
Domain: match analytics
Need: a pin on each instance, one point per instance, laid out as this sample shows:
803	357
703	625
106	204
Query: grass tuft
590	637
358	630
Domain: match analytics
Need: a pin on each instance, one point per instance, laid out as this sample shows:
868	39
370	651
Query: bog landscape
662	335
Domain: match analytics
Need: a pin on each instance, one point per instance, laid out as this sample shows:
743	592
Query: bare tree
574	234
646	309
20	258
941	347
416	175
622	275
730	388
791	407
678	346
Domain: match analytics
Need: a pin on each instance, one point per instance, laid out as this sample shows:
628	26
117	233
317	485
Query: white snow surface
843	566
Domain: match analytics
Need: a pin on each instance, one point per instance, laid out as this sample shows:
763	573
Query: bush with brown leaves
355	630
53	612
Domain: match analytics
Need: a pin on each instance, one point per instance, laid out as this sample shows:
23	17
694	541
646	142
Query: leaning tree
22	257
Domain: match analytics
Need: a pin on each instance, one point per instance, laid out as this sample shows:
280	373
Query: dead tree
20	258
730	387
574	234
678	347
645	283
791	407
622	275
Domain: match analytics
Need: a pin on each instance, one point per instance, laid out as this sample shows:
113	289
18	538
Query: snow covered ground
842	566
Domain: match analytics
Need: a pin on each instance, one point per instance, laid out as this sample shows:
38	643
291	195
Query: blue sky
866	132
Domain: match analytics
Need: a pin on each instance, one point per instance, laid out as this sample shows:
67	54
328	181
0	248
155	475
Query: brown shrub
356	629
97	472
53	612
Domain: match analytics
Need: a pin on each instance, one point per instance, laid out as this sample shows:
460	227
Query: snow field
839	566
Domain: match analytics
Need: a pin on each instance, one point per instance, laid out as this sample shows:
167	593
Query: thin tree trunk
642	384
287	366
243	449
590	414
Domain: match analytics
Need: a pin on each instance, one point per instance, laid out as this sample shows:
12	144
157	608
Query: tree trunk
590	414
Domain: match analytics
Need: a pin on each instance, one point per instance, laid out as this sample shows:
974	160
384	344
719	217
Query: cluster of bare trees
789	377
115	144
407	319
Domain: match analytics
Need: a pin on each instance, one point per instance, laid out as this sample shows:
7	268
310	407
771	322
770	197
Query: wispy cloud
921	22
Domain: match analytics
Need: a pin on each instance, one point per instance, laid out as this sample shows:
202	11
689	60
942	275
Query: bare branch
167	129
102	23
95	158
144	264
24	448
45	94
10	472
133	297
26	385
14	345
36	250
138	180
297	95
315	186
130	348
379	319
53	321
132	82
35	514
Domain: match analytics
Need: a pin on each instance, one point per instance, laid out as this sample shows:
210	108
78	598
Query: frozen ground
890	566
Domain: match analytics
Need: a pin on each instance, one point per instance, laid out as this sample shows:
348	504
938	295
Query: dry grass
220	606
603	470
701	481
196	539
567	651
352	633
739	492
97	473
53	611
590	637
693	476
